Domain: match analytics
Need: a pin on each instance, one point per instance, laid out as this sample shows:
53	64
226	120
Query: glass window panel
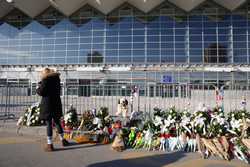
48	47
138	39
167	45
125	46
138	45
72	60
197	45
239	38
73	47
85	33
36	47
111	53
167	38
180	38
179	45
138	59
72	40
84	53
139	32
60	53
126	32
60	60
195	38
195	24
112	46
112	33
195	31
153	38
60	34
138	52
72	53
98	33
125	39
180	31
111	59
85	46
98	46
153	32
153	45
238	45
211	31
238	23
98	40
111	39
209	38
85	40
124	52
48	41
60	47
60	41
239	31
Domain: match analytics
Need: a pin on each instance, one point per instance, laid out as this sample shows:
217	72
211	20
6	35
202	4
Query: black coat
51	105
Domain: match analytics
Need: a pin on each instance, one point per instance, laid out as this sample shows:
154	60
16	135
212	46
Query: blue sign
167	79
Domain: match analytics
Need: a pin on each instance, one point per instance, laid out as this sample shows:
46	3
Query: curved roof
55	10
67	7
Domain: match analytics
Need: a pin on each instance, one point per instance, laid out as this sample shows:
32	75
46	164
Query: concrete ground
26	150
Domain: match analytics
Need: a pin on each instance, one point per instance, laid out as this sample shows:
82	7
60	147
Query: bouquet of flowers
86	121
218	124
185	122
31	116
200	122
171	120
102	118
236	121
71	118
239	150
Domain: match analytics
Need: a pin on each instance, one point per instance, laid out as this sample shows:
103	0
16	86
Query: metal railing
15	98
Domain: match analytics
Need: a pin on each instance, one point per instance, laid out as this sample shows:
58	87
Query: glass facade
127	36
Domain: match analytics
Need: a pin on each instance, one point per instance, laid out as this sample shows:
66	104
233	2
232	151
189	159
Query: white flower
199	121
167	122
236	124
33	121
157	121
185	121
220	131
37	118
243	114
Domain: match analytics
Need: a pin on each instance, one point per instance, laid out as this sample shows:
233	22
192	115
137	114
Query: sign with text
167	79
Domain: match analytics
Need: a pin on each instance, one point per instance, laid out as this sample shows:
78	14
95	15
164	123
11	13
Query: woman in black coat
51	106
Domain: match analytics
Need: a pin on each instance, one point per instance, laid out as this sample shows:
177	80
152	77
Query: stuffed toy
122	107
118	144
131	136
163	143
148	139
105	135
139	140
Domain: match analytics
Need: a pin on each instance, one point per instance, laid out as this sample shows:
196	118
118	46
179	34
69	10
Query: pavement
26	150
